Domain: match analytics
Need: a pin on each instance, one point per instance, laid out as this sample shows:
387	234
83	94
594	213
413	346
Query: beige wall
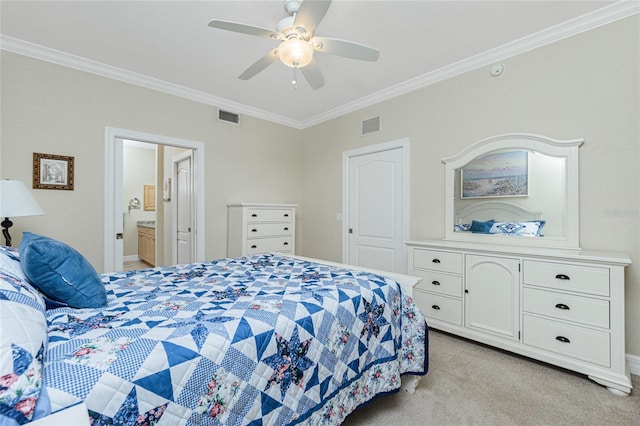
583	87
53	109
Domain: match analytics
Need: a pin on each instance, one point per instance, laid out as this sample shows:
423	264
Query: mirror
517	189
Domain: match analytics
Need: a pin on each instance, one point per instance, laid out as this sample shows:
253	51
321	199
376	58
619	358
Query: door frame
113	192
402	144
174	206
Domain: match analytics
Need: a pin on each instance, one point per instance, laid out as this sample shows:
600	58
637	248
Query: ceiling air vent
229	117
371	125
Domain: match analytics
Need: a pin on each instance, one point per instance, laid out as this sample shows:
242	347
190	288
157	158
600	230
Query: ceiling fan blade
310	14
313	75
242	28
259	65
348	49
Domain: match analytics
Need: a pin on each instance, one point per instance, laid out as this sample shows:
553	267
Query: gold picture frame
52	171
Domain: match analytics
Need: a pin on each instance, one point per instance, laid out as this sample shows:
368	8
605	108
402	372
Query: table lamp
15	201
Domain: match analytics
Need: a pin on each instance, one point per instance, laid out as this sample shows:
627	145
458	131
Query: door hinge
350	230
518	335
119	236
518	267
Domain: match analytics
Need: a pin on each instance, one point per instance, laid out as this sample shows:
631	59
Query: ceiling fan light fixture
295	53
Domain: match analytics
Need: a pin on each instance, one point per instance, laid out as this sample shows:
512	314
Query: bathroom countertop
147	223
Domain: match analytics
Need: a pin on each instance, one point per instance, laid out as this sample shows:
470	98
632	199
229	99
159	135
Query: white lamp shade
16	200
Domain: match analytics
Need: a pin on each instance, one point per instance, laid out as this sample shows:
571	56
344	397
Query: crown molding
595	19
83	64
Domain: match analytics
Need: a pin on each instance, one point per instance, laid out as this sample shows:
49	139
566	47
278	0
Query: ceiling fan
297	41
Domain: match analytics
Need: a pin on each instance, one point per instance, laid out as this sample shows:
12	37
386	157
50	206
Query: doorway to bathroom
143	187
139	195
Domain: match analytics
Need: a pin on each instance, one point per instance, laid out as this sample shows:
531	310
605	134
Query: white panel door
184	211
376	210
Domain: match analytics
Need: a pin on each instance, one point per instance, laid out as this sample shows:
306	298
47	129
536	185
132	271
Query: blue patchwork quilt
262	340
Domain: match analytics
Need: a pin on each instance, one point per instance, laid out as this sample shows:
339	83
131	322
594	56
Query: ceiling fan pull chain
294	81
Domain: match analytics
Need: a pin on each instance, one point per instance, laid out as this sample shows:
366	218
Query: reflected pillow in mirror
522	229
478	227
462	227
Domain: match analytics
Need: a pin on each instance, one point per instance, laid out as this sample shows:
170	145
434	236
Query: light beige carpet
472	384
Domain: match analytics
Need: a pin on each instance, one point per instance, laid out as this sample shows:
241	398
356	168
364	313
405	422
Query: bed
259	340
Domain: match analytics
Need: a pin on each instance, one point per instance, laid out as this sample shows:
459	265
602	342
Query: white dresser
561	307
256	228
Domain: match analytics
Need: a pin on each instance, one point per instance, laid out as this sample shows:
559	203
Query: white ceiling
168	46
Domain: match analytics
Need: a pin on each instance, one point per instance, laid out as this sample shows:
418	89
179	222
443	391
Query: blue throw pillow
60	272
479	227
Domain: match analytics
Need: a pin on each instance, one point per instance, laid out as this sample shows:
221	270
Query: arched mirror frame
567	149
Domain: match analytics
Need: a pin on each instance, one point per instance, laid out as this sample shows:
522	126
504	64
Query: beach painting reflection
498	174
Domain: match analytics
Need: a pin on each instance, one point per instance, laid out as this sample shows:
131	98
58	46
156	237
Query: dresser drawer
269	215
443	261
265	245
576	342
436	282
439	307
259	230
583	279
567	307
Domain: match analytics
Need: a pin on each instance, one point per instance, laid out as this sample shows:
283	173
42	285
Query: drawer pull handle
562	339
436	307
286	215
254	230
436	260
435	282
286	229
562	306
562	277
286	243
254	215
254	246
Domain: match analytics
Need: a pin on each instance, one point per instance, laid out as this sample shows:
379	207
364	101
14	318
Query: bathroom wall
139	161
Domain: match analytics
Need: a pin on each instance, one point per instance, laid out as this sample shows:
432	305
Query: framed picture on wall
499	174
52	171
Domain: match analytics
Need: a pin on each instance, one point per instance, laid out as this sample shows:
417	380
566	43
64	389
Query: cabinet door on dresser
492	293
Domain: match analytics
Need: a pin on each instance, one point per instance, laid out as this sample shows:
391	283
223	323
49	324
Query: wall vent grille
229	117
371	125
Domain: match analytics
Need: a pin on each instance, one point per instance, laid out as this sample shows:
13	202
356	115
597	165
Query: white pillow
10	261
23	343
